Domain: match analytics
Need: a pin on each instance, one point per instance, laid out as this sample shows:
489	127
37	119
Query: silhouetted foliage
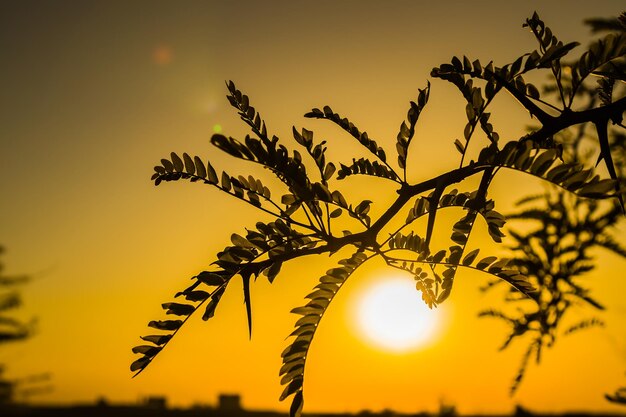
553	255
309	205
567	229
11	328
600	24
619	397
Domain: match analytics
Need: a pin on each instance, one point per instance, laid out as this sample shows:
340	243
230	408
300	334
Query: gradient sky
95	93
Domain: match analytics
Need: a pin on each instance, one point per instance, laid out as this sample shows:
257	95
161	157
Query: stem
534	110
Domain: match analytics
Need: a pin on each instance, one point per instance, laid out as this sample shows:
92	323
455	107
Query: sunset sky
94	94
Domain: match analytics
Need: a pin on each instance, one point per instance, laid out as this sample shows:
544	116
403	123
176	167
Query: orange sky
94	94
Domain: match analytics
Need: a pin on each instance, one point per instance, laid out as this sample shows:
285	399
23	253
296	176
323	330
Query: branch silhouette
309	208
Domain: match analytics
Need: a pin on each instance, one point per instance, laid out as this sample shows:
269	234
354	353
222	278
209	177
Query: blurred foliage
619	397
559	248
307	210
11	328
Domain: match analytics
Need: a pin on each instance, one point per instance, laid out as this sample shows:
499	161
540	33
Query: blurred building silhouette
229	402
156	403
6	392
228	405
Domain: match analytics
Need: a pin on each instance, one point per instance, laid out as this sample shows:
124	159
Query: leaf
200	169
291	388
329	171
438	257
459	238
598	189
210	278
212	175
240	241
140	364
212	304
146	350
443	295
339	199
190	167
336	213
288	199
322	192
296	405
467	132
459	146
498	266
532	91
469	258
169	167
455	255
177	162
363	207
542	162
165	324
226	183
495	233
195	295
273	271
158	340
178	309
485	262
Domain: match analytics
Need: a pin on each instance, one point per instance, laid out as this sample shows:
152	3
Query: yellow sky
94	94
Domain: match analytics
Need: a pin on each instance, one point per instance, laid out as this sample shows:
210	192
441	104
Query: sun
391	315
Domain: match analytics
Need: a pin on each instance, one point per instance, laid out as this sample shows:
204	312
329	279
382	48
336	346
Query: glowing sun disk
391	315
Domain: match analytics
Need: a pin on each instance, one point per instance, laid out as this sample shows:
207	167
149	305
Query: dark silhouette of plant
603	24
619	142
11	329
558	251
307	211
619	397
553	256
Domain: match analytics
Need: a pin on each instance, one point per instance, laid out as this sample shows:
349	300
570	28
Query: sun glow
391	315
